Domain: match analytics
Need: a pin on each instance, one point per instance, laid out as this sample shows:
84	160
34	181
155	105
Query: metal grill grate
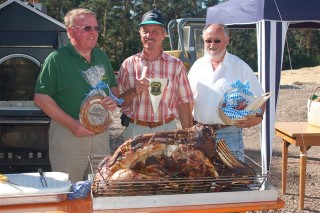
164	186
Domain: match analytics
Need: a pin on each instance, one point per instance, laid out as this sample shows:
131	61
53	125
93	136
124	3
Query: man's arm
185	115
128	97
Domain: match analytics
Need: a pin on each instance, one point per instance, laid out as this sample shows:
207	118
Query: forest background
119	36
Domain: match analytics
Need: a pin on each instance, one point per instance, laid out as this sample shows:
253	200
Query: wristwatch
259	115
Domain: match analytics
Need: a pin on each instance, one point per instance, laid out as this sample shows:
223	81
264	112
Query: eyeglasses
208	41
89	28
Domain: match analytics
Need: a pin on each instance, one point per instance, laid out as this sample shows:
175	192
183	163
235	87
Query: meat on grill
183	153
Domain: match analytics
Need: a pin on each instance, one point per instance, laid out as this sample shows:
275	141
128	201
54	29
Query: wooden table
299	134
85	205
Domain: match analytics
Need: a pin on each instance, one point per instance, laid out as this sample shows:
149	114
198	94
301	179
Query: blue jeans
233	138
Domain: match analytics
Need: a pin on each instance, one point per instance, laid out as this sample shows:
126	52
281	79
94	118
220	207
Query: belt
214	126
218	126
152	124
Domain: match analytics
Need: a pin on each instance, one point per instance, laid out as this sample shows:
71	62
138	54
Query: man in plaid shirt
134	84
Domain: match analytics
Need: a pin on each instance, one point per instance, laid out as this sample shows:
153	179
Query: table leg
303	169
285	145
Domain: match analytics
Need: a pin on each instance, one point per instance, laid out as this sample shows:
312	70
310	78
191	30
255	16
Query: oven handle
34	122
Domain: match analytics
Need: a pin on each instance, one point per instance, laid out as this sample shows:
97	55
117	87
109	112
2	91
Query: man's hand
78	130
141	85
108	103
248	121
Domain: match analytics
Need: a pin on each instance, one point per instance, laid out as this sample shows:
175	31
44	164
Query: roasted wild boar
185	153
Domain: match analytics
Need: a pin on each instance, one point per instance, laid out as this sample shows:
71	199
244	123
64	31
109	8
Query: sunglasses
208	41
89	28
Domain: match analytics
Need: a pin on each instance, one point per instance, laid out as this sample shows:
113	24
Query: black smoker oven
27	36
23	126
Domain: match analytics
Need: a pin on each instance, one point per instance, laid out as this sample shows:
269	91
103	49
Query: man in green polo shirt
60	90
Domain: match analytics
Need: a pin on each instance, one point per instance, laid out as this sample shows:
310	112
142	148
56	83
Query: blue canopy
253	11
271	18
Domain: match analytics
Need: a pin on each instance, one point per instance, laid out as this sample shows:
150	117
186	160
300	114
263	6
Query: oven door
24	144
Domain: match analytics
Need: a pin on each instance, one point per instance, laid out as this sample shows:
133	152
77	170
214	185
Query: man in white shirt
211	77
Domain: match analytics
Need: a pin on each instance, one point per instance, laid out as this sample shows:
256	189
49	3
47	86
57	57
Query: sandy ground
306	75
296	87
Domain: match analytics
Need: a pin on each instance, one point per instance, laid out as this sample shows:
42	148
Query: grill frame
170	186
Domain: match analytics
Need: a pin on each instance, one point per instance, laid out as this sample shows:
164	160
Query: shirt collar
225	59
72	49
163	56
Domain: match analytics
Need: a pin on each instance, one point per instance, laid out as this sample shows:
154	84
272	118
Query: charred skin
177	154
135	152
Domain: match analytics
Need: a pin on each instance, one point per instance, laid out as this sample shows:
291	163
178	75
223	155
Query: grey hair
73	14
224	28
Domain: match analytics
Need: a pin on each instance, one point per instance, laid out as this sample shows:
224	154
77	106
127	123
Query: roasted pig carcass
185	153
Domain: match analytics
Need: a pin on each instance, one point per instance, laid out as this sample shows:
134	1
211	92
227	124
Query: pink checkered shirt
166	66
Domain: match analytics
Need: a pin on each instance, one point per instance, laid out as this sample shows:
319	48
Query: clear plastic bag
93	115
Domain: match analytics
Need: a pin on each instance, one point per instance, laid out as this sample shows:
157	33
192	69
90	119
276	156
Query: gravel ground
292	106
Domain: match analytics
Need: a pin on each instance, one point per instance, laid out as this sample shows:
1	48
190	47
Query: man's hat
152	17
